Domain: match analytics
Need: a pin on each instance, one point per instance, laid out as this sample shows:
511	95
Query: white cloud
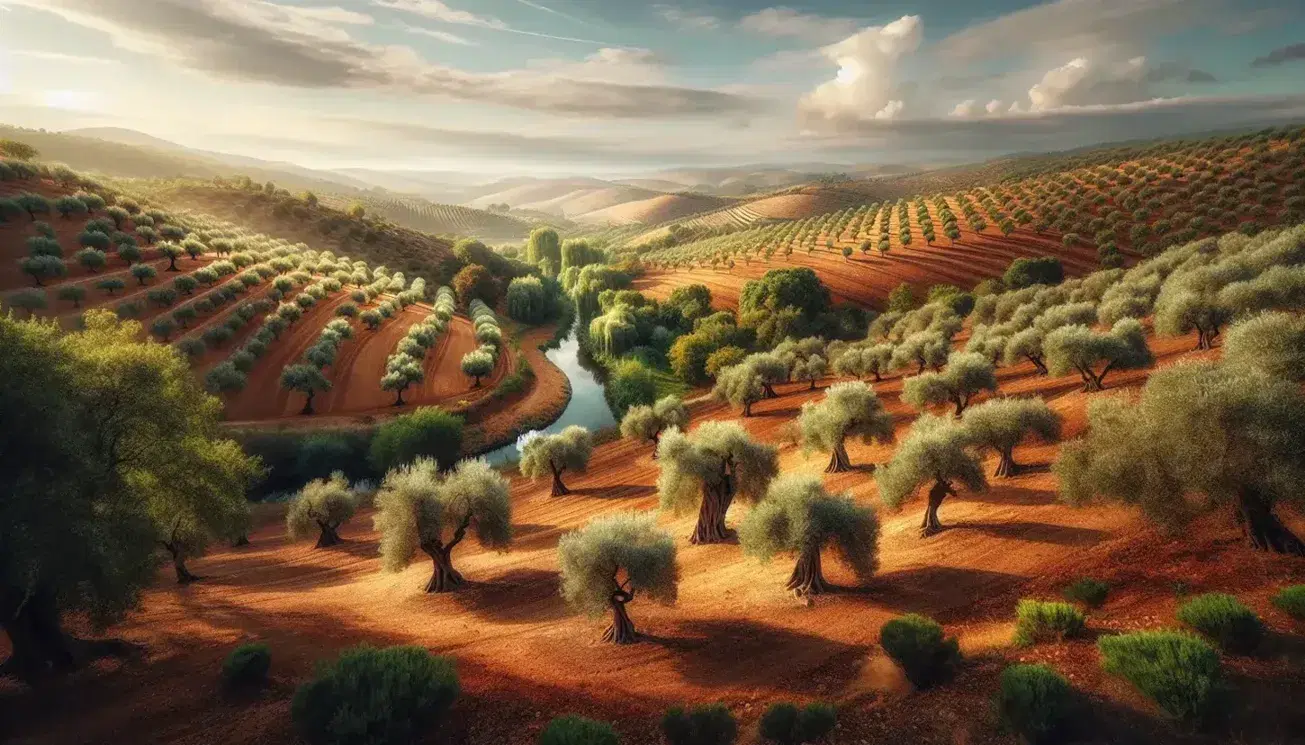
782	22
866	64
687	19
438	11
993	107
1081	82
610	64
77	59
443	36
965	109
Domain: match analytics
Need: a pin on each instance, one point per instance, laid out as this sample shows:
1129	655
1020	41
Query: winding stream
587	407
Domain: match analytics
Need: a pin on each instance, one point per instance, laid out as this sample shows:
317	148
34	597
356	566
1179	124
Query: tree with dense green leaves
428	431
1272	343
605	564
864	359
143	273
171	252
847	410
935	452
1202	437
710	724
811	369
1080	348
477	364
323	505
30	300
305	379
474	282
646	423
710	468
552	455
967	375
740	385
67	206
416	508
799	516
544	245
43	267
1026	272
527	300
797	288
402	377
1003	423
902	299
120	447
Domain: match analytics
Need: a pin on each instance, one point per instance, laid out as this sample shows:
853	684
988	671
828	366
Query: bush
247	665
574	730
786	724
1034	702
631	384
1291	600
1177	670
1040	621
1088	591
1224	619
429	431
1026	272
374	696
702	725
917	644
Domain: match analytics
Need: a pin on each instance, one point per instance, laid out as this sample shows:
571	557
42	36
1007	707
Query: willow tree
1202	437
1273	343
1080	348
544	245
710	468
1003	423
935	452
323	504
554	454
967	375
647	423
416	508
847	410
740	386
607	562
799	516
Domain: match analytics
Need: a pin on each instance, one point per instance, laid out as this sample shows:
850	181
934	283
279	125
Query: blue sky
616	86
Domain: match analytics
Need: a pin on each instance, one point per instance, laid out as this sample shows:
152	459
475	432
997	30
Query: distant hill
440	219
654	210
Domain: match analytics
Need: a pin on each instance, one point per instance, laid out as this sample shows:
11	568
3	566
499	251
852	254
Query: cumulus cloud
262	42
1282	55
1080	82
866	64
786	22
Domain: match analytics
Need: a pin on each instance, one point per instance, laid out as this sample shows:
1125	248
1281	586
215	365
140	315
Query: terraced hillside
440	219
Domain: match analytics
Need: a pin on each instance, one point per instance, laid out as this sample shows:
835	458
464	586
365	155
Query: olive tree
416	508
1202	437
1003	423
646	423
611	559
709	468
739	385
205	501
865	360
799	516
1273	343
324	505
848	410
306	379
811	369
967	374
477	364
1080	348
922	349
554	454
935	452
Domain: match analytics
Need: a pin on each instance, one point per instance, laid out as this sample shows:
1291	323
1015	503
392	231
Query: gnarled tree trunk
621	630
328	536
711	514
1007	466
1038	364
1205	337
767	391
807	579
308	404
838	460
184	577
1265	531
444	578
559	489
937	493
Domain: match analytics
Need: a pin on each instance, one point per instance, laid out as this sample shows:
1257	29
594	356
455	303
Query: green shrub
917	644
786	724
702	725
1034	702
1291	600
1088	591
1224	619
631	384
371	696
427	431
1041	621
574	730
247	665
1177	670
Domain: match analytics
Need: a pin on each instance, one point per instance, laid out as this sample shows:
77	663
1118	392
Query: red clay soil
734	636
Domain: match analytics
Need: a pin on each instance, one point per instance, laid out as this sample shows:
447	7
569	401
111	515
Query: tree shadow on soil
1061	535
516	596
945	593
725	653
534	536
619	491
1003	493
257	574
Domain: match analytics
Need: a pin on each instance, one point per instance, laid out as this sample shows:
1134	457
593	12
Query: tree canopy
936	452
323	505
646	423
967	374
416	508
609	561
554	454
847	410
1094	354
799	516
1003	423
1273	343
709	468
1201	437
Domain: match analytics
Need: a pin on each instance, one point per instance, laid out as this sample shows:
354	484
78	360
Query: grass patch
1224	618
1291	600
1042	621
1177	670
574	730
